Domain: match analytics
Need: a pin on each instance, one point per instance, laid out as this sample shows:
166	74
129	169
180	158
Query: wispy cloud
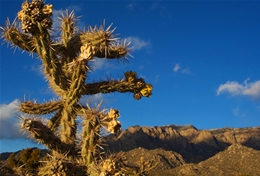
105	99
178	68
138	43
247	89
37	69
131	6
157	6
237	113
93	99
9	124
100	63
157	78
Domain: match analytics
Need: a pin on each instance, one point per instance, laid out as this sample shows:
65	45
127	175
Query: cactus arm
11	34
45	108
68	31
78	77
90	136
68	27
45	136
122	86
109	87
54	122
68	125
104	43
112	52
52	66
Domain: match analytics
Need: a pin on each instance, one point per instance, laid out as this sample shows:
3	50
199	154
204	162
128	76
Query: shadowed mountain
194	145
185	150
236	160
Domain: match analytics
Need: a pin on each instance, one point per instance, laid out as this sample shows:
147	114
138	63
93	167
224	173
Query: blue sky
202	58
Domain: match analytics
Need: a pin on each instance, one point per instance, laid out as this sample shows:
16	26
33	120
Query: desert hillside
185	150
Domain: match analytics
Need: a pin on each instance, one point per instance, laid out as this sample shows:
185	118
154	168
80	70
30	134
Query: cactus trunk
90	137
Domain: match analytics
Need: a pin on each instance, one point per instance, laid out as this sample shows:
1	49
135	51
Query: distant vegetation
27	160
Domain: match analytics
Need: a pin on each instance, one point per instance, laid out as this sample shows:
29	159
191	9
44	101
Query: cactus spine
66	65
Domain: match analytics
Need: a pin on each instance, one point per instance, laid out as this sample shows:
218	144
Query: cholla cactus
66	65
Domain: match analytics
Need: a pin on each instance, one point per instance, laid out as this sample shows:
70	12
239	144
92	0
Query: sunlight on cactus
66	66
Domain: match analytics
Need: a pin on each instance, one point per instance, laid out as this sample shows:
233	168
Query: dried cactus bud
36	14
137	96
130	76
108	166
58	167
140	82
27	124
28	27
26	6
46	23
47	9
147	90
37	4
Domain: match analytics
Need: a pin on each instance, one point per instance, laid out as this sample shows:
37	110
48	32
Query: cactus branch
34	108
54	122
68	27
138	86
12	35
44	135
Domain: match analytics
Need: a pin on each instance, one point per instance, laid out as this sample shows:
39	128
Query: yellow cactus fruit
20	15
113	114
113	126
130	76
147	90
86	52
47	9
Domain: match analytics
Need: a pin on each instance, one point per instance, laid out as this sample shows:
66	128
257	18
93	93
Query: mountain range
186	150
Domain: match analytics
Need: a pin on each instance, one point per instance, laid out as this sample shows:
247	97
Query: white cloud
93	99
37	69
177	67
137	43
234	88
186	71
105	99
157	6
9	124
100	63
156	78
238	113
131	6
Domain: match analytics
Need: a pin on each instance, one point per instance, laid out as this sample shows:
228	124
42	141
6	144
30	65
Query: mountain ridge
193	144
186	150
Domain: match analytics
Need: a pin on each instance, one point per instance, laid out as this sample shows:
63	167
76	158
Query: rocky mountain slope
236	160
185	150
194	145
